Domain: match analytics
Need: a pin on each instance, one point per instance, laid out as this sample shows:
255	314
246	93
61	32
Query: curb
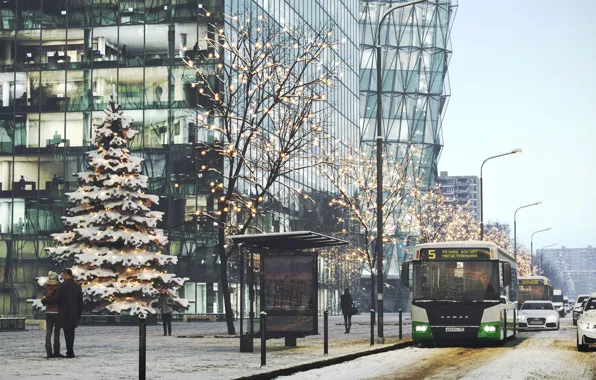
324	363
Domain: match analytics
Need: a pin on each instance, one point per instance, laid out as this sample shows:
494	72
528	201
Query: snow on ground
112	352
535	355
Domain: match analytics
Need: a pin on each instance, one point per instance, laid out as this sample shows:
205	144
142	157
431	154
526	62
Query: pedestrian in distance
158	93
166	303
195	50
52	308
347	307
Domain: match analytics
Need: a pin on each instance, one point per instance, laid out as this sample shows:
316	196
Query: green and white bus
461	291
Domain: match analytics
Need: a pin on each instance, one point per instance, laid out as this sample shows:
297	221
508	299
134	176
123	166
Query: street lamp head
516	150
538	203
549	228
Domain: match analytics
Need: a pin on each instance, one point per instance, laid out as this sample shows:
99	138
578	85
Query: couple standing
64	305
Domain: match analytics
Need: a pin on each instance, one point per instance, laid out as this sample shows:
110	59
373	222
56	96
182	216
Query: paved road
534	355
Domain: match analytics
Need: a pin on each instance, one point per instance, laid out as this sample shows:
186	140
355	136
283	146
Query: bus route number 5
431	254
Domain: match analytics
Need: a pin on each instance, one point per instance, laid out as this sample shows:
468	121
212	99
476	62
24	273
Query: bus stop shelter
283	269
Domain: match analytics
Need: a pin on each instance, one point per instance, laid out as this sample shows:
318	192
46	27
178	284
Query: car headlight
522	317
587	325
552	318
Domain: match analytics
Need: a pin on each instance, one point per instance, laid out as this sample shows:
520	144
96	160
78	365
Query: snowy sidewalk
112	352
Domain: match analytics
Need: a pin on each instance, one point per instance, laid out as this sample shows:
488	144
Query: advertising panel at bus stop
289	293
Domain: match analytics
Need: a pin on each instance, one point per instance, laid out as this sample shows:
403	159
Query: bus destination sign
531	282
455	254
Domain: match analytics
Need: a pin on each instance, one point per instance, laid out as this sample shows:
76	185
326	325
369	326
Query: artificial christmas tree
111	237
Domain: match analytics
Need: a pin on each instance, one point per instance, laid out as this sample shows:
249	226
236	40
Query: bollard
326	333
400	325
263	338
514	323
372	327
505	324
142	346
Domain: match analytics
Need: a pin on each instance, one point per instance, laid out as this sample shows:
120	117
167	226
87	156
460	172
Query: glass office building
415	89
62	61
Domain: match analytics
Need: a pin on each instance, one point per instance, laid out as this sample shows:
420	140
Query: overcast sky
522	76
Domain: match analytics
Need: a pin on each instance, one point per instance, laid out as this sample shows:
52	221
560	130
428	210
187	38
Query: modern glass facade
415	88
61	61
416	49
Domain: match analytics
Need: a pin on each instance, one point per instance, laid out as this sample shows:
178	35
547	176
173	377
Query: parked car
538	315
586	325
579	305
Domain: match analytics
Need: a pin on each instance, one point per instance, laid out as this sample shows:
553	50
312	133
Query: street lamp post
379	245
532	242
515	227
514	151
542	251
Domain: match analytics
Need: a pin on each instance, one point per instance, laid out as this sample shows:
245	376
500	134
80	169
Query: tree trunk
225	288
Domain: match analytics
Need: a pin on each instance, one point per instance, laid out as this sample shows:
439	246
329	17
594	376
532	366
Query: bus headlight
490	329
421	328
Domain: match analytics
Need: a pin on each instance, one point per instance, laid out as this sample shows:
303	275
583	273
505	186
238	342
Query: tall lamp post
379	245
541	252
532	242
514	151
515	227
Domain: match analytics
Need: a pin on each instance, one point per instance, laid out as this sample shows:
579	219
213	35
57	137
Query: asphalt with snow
533	355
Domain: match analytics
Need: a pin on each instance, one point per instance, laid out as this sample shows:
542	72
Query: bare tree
353	175
264	94
439	220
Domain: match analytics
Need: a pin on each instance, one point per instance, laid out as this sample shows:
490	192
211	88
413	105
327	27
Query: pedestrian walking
347	307
70	297
166	303
52	308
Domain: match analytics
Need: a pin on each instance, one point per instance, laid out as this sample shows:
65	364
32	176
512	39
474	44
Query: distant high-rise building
576	268
464	190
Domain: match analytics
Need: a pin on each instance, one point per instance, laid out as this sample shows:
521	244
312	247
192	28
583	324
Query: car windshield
537	306
456	280
591	304
582	299
557	298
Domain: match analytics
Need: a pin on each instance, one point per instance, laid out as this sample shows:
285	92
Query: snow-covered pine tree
111	235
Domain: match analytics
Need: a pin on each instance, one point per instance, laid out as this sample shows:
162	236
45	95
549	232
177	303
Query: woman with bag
347	305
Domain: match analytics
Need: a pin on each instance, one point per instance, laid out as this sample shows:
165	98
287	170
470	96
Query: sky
523	75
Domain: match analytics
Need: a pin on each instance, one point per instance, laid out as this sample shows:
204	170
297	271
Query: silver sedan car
538	315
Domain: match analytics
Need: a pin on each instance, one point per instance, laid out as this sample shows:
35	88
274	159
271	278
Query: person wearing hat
70	300
52	309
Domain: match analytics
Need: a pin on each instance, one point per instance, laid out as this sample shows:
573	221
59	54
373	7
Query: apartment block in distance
576	268
462	190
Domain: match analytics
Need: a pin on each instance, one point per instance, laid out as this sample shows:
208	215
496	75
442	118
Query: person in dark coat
70	297
166	304
346	309
52	308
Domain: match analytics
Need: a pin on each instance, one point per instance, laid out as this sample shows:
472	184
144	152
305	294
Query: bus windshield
533	292
456	280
